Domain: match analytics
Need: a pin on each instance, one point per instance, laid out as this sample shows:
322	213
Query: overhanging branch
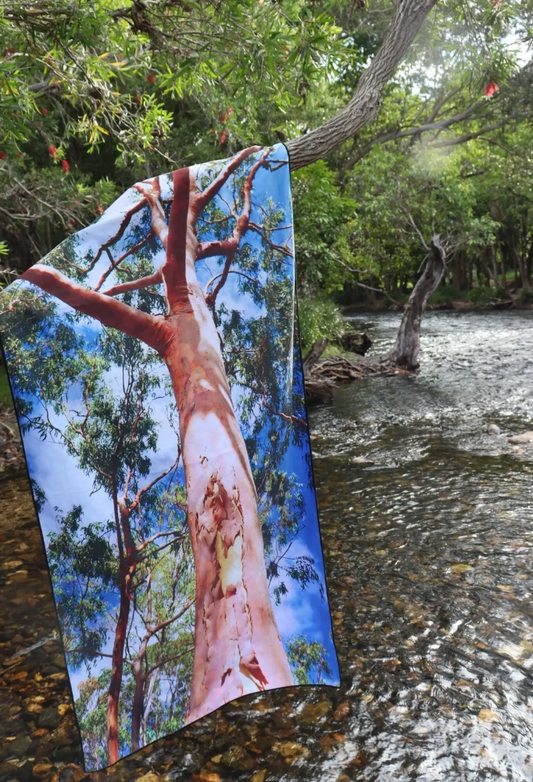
364	106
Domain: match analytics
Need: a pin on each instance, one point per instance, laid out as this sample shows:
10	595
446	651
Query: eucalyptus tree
244	506
113	439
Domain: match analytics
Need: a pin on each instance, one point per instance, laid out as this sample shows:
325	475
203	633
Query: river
427	526
430	551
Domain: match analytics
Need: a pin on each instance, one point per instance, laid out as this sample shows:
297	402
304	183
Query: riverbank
461	305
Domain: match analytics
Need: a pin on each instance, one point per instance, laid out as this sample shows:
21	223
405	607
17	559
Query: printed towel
155	363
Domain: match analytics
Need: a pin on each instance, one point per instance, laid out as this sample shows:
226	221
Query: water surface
430	545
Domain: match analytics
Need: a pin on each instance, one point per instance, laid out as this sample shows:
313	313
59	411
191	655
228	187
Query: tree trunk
405	351
115	684
128	563
529	262
138	698
237	645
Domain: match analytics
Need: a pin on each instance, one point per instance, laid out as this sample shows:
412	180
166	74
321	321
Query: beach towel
155	363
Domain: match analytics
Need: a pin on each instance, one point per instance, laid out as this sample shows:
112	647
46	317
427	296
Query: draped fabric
154	359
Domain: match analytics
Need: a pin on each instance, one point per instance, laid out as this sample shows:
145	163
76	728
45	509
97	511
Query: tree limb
110	312
409	17
135	285
203	198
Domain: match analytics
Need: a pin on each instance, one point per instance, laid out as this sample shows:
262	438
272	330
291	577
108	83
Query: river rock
49	718
41	770
19	747
71	773
526	437
237	758
313	712
493	429
191	762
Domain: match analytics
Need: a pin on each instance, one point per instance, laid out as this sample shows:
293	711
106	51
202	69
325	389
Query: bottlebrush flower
3	155
65	166
223	136
491	88
44	112
52	151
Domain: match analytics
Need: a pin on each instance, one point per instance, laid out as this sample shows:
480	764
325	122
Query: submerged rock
526	437
493	429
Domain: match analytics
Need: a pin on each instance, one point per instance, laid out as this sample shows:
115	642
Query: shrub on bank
320	318
483	294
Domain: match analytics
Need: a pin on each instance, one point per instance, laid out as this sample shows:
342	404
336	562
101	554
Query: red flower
223	136
151	78
100	209
19	154
65	166
3	155
52	151
228	113
491	88
44	112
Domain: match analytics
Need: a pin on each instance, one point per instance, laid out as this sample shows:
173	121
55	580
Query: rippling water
428	522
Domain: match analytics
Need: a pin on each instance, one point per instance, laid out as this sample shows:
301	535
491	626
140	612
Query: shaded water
430	551
427	525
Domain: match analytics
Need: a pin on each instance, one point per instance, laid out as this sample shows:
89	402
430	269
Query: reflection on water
428	525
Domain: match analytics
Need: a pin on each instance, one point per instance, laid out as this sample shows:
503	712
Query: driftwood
323	375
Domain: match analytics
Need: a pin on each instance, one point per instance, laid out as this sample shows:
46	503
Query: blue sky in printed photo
65	484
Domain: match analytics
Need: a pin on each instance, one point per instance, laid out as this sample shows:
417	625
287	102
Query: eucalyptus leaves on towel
155	363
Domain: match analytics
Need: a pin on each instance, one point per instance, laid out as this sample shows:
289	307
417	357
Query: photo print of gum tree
155	363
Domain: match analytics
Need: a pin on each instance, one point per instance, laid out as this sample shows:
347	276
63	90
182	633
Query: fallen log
323	375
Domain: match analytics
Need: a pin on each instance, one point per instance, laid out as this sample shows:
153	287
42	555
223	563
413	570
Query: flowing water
430	545
427	525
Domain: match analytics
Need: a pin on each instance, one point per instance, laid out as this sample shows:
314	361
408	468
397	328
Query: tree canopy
96	95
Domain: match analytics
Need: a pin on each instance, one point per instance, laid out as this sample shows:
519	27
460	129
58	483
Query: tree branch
110	312
161	625
452	142
169	660
159	224
119	234
278	247
229	246
393	135
149	486
230	271
135	285
409	17
114	264
203	198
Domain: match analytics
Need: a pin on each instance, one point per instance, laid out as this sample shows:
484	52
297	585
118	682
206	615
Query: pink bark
238	649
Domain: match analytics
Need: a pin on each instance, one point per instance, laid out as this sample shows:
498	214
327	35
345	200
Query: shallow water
430	549
427	525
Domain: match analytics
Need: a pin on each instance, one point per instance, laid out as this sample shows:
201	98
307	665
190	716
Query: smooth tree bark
237	644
